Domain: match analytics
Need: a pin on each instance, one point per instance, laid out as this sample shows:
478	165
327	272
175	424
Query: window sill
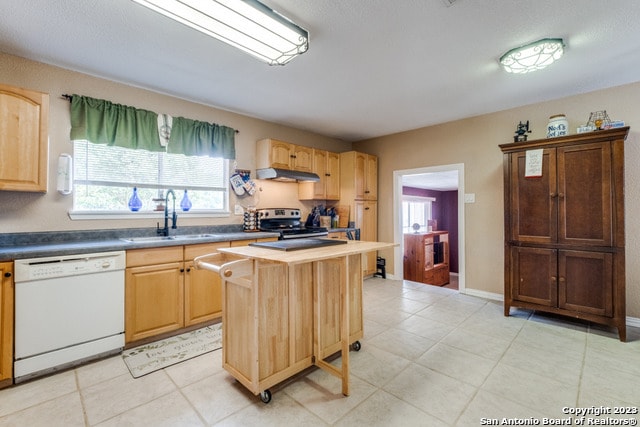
82	215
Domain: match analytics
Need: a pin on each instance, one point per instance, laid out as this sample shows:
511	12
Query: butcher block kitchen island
285	309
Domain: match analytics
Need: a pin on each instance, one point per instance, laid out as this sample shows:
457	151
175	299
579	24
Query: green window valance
196	138
103	122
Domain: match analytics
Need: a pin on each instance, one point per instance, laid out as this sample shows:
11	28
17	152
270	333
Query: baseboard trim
483	294
631	321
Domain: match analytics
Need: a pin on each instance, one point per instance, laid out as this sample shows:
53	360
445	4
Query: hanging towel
164	128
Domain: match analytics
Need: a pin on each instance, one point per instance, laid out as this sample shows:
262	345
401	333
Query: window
416	210
104	177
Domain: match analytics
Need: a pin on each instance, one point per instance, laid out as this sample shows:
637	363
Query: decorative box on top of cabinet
564	227
6	323
24	117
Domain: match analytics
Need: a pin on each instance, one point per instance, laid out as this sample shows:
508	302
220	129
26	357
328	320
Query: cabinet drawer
137	257
192	251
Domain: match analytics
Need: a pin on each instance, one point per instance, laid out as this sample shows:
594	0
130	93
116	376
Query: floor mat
151	357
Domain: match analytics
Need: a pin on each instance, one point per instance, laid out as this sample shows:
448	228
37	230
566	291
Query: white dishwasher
68	309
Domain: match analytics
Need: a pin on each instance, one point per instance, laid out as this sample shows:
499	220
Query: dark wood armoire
564	226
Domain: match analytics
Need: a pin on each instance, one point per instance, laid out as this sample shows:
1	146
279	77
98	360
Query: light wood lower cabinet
202	288
154	292
165	293
366	216
6	323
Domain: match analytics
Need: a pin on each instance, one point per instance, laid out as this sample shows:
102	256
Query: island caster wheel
356	346
265	396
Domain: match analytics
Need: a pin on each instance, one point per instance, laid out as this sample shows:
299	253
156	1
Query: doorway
429	176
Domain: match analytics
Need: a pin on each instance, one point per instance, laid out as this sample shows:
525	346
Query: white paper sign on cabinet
533	164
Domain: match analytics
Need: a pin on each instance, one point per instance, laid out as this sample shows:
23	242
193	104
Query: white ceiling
374	67
440	181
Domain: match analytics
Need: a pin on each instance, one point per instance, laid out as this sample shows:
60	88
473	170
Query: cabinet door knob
7	274
182	270
561	195
552	195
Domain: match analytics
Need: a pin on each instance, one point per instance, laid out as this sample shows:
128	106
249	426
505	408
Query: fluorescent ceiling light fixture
532	57
245	24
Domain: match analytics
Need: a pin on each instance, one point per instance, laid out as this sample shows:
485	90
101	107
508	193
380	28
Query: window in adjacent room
416	210
104	177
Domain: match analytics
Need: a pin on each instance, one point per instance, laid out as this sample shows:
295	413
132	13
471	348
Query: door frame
397	221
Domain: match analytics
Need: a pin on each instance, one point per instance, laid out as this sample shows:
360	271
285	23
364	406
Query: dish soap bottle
185	204
134	202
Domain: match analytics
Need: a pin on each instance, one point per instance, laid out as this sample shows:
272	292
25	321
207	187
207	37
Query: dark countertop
44	244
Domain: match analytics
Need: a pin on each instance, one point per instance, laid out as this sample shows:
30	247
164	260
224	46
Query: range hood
286	175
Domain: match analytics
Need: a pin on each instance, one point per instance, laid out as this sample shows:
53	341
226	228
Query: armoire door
534	275
585	194
534	207
586	282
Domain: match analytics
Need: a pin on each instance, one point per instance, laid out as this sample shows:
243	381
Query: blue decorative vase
134	202
185	204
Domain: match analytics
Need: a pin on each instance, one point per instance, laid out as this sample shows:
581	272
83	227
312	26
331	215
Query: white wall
474	142
30	212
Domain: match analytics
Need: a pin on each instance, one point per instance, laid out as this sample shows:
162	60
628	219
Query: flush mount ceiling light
532	57
245	24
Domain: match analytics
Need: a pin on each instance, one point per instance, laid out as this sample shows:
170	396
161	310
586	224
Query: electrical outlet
239	210
470	197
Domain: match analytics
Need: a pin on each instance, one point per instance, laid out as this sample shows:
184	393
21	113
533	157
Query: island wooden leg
341	279
344	322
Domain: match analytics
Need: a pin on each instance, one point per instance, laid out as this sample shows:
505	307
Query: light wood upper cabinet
271	153
371	177
359	176
6	323
24	116
327	166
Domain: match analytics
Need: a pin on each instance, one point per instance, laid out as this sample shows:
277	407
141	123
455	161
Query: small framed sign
533	164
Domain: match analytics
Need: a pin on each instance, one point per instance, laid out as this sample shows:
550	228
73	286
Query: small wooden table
284	311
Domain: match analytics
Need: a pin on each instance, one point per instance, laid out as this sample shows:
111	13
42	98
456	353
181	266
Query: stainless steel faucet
174	216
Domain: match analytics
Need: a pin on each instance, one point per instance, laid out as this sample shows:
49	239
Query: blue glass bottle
134	202
185	204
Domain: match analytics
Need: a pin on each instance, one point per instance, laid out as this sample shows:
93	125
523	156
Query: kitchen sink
163	238
193	236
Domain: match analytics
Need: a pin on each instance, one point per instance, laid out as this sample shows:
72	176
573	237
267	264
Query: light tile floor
430	357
